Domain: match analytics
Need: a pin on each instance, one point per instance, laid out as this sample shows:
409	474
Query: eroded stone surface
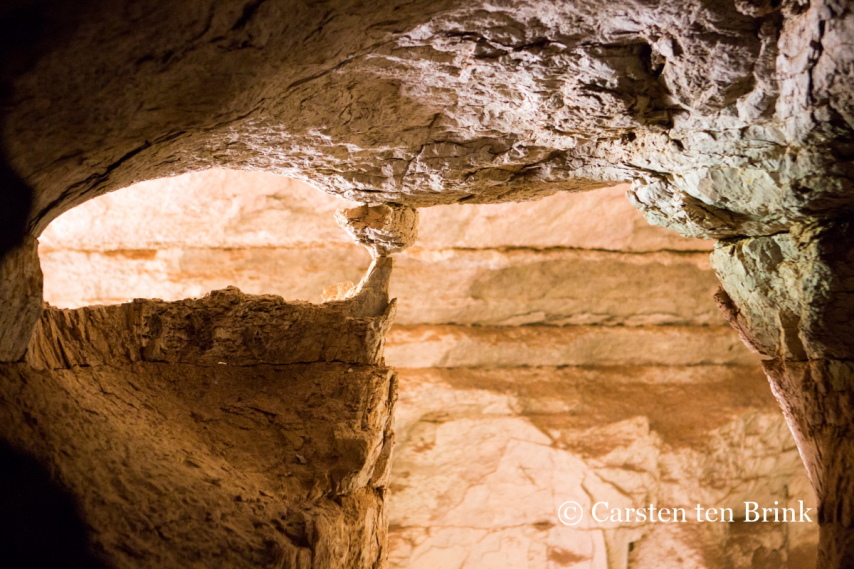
499	346
633	383
176	465
531	439
256	210
730	120
789	296
384	229
235	430
224	327
792	290
20	299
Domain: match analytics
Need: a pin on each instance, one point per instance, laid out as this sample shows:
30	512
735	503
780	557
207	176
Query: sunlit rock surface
548	351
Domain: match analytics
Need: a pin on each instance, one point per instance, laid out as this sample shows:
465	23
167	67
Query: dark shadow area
21	23
40	525
28	30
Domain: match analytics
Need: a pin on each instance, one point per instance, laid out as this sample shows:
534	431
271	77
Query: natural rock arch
733	120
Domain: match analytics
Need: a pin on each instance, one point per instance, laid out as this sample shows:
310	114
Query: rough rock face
227	431
383	229
731	117
789	295
20	297
548	351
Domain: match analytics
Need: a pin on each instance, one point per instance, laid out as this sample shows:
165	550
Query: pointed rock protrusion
382	229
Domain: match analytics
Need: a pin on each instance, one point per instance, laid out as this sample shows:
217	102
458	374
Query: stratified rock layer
229	431
548	351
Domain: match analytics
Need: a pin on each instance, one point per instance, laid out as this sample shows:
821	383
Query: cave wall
231	430
556	350
733	120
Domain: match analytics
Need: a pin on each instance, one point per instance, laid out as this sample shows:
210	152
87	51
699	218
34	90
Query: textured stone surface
384	229
498	346
792	290
555	286
500	264
634	387
816	397
229	430
176	465
230	209
789	296
464	286
224	327
485	457
730	120
20	299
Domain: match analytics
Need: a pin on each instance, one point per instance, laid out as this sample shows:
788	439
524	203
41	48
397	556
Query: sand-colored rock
602	219
732	120
486	457
502	346
230	430
177	465
251	210
591	336
490	287
555	287
225	327
383	229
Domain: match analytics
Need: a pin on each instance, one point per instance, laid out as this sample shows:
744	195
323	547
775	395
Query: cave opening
245	430
561	349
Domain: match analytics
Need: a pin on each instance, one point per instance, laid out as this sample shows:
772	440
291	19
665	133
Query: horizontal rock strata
464	286
225	327
549	351
486	456
503	346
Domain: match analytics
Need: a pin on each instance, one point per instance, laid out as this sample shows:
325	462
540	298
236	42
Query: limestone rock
511	286
562	336
790	297
730	120
260	210
176	464
502	346
233	430
554	286
502	264
487	456
791	290
384	229
225	327
20	299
